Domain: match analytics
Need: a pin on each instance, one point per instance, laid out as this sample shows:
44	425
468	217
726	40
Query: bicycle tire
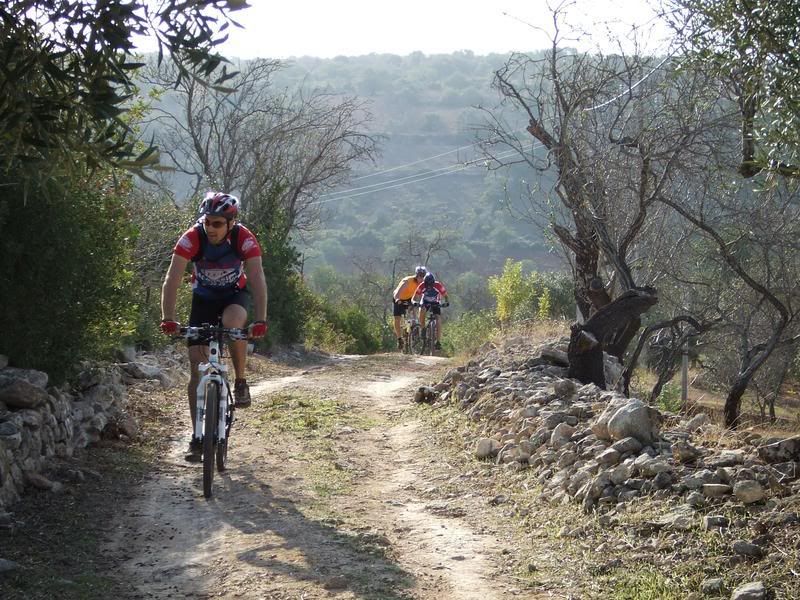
209	435
431	336
222	445
416	342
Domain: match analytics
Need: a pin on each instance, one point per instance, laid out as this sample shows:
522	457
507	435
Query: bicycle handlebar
426	304
207	331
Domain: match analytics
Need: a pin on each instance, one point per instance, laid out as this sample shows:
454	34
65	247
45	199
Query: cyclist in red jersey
227	268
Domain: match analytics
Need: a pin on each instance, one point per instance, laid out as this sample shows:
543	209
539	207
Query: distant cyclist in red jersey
433	296
227	268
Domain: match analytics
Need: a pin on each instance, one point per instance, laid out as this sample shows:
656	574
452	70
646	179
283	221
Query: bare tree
610	133
279	149
753	235
421	247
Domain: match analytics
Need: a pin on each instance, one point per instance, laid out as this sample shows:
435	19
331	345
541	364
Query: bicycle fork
205	380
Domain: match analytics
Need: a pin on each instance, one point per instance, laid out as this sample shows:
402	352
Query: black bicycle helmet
429	280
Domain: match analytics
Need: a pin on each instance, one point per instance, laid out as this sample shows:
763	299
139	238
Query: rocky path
330	493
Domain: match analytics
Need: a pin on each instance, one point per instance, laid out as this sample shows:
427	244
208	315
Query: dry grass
538	331
712	402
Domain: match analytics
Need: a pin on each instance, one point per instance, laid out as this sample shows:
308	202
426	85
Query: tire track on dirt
255	537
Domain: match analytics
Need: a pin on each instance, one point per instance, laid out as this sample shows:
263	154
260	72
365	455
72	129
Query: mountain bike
412	334
429	335
215	405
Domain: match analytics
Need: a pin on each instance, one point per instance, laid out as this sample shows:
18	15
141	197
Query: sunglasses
214	224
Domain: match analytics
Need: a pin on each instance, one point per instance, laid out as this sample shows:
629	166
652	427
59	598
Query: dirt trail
269	532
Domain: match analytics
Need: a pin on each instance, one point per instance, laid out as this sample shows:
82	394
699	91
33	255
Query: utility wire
416	162
382	183
633	87
419	177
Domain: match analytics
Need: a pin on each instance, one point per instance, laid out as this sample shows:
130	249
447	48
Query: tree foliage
66	287
67	73
751	46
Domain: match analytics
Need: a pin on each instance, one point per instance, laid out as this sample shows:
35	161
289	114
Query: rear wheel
222	454
222	445
209	435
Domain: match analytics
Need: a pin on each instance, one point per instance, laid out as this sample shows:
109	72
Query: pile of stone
600	448
603	450
39	422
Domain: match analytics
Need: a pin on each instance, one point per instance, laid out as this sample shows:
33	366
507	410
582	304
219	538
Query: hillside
429	176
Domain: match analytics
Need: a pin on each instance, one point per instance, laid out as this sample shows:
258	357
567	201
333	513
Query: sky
328	28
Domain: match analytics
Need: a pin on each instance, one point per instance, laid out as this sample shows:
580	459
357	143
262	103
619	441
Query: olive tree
604	136
750	46
67	75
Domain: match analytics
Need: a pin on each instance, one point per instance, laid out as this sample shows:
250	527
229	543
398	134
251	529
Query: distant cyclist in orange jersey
402	300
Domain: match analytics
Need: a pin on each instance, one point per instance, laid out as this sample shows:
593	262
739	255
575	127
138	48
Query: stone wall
39	422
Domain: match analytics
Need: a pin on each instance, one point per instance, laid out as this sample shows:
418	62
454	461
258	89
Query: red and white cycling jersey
218	270
432	294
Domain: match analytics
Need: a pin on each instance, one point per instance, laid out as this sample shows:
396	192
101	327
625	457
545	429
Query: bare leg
236	316
398	326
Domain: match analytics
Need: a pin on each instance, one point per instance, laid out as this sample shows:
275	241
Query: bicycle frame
213	371
431	324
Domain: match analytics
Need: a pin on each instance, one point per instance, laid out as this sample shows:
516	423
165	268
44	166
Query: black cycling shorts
432	308
209	310
400	308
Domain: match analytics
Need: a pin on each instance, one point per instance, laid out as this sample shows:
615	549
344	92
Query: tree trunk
733	402
586	257
622	338
585	349
585	357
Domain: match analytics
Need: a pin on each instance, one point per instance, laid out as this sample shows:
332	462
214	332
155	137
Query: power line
452	169
416	162
417	178
631	88
382	183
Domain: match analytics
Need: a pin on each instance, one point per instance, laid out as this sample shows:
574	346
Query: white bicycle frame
212	373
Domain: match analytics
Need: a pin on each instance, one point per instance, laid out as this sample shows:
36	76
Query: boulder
20	393
778	452
635	419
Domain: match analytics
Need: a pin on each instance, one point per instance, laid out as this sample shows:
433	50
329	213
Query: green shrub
670	398
67	292
510	290
320	333
346	329
468	332
539	296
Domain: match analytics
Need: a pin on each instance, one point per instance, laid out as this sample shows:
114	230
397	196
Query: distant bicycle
412	333
215	405
429	337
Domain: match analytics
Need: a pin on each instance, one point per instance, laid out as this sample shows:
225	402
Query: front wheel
209	436
432	336
415	346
